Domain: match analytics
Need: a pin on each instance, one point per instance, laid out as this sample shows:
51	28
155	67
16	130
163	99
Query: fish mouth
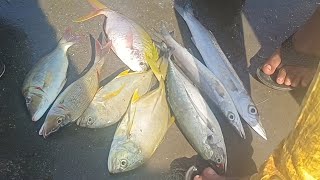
220	168
45	134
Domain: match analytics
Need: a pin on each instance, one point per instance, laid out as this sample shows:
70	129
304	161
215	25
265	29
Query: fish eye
59	120
141	63
90	120
231	116
123	163
252	110
28	100
218	160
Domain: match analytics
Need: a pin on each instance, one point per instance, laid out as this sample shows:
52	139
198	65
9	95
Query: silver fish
112	100
47	78
205	80
195	119
74	100
218	63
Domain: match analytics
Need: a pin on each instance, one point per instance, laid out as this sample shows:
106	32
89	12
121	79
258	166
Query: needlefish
220	66
204	79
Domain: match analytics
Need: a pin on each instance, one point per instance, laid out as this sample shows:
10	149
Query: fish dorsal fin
114	93
123	73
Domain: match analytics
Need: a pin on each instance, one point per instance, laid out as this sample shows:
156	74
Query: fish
74	100
195	119
128	40
218	63
112	100
141	130
204	79
46	79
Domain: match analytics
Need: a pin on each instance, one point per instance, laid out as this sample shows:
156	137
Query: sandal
290	57
2	68
191	173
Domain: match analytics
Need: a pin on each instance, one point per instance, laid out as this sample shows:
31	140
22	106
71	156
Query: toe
281	76
307	78
197	177
290	77
295	82
272	63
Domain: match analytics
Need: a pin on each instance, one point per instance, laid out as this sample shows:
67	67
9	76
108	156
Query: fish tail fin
187	9
96	4
99	56
152	58
69	36
91	15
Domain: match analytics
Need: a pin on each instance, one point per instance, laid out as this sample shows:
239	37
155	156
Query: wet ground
248	32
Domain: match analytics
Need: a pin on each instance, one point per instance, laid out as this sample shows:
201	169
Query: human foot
295	63
289	75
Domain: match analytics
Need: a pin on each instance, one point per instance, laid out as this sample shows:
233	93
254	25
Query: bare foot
289	75
307	41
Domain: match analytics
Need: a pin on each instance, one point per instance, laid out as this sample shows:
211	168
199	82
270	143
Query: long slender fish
74	100
46	79
141	131
195	119
130	42
218	63
112	100
205	80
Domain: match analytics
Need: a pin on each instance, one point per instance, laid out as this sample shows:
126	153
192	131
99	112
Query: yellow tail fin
96	4
91	15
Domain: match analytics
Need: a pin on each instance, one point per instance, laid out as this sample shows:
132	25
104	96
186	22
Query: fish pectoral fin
123	73
131	113
48	80
114	93
135	96
91	15
171	121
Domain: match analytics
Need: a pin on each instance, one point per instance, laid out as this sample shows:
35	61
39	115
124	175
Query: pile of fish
164	83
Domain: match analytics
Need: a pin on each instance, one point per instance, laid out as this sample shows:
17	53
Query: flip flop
2	68
191	173
290	57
